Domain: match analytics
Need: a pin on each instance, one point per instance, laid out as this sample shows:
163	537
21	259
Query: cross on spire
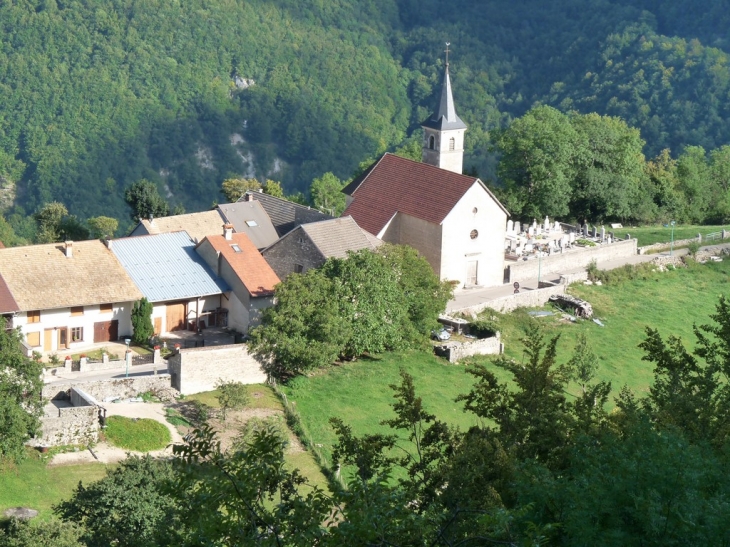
447	53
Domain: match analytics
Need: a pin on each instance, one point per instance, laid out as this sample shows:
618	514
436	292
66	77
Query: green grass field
647	235
671	301
33	484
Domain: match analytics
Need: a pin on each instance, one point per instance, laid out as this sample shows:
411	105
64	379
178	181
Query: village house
249	217
453	220
235	259
197	225
66	295
168	272
285	215
310	245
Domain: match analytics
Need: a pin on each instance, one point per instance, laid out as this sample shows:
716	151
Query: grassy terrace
672	301
33	484
647	235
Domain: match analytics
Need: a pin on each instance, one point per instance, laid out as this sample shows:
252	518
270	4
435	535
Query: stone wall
524	299
114	387
195	370
73	425
456	351
292	249
570	259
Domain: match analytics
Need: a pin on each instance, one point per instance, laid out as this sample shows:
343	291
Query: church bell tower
443	132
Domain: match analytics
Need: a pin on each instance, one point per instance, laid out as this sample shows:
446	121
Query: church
452	219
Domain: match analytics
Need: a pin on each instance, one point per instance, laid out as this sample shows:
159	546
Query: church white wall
487	249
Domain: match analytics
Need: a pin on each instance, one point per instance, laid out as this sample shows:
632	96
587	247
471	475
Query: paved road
467	298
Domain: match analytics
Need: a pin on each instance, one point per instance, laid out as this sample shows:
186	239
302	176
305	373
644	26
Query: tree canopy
20	394
369	302
540	465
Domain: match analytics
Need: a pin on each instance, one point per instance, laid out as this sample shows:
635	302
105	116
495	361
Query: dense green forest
99	95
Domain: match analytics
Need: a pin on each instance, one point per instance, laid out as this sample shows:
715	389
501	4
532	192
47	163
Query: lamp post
127	357
671	245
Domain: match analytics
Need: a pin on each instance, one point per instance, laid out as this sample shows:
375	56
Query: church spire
445	115
444	130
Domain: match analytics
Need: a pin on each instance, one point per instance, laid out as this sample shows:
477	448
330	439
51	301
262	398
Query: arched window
432	142
452	144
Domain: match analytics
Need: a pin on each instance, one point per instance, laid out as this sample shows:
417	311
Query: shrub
274	424
142	328
231	396
628	272
483	328
586	242
693	247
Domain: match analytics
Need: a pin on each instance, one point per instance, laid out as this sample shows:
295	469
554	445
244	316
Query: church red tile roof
394	184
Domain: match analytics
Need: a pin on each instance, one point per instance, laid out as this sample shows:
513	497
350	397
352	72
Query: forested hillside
98	95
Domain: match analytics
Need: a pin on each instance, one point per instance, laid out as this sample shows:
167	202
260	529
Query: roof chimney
228	231
152	219
249	196
108	243
68	249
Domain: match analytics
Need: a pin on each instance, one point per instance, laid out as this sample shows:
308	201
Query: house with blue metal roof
166	269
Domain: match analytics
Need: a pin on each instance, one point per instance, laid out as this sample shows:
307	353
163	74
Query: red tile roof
394	184
7	302
249	265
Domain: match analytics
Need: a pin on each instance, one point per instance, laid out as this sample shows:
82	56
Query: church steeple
443	132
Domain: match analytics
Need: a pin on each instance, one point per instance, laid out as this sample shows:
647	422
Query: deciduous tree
145	200
20	395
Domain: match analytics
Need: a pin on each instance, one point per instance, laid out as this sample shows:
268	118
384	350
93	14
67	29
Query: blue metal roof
166	267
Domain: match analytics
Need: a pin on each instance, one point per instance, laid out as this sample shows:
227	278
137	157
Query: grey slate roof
337	236
285	215
166	267
250	218
445	116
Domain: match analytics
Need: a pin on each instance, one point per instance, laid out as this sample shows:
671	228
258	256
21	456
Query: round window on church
475	210
474	234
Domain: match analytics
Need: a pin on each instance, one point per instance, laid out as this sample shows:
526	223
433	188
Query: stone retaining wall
73	425
570	259
524	299
195	370
114	387
456	351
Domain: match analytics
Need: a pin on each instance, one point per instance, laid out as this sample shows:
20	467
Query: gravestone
603	234
556	227
517	227
547	224
510	226
595	231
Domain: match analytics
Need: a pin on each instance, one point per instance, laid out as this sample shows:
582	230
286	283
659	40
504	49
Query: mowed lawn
647	235
33	484
672	301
